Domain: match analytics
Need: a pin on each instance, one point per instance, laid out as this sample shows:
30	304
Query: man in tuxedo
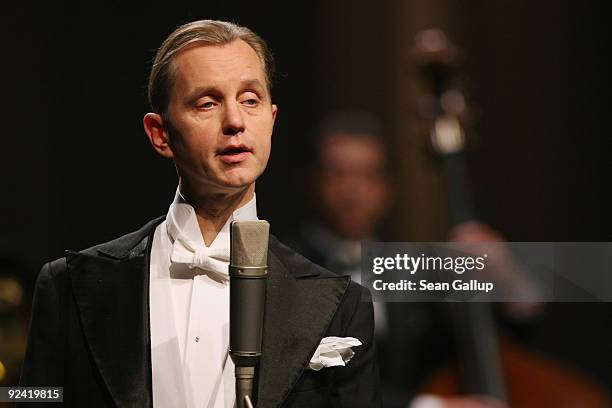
143	320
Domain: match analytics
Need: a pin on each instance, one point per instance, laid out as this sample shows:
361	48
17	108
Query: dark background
78	170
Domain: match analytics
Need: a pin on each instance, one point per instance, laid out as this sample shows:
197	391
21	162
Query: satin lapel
112	299
298	313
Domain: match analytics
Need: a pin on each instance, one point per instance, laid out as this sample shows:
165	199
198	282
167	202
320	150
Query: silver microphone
248	271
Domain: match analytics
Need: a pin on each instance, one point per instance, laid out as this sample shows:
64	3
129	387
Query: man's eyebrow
253	83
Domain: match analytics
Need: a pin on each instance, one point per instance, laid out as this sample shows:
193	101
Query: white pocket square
333	351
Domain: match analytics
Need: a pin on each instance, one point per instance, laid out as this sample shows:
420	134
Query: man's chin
240	176
236	186
237	182
228	181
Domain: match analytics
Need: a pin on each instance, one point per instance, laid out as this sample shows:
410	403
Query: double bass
488	364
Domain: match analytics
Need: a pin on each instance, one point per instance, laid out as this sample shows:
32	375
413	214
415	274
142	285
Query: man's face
353	186
221	117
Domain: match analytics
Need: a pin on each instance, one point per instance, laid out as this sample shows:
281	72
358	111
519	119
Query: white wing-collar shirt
189	311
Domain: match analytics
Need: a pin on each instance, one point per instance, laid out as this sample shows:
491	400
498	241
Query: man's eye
206	105
251	102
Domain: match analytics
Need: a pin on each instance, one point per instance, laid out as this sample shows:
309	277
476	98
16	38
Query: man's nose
233	121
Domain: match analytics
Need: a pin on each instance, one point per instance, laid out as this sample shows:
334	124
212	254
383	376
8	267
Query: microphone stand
244	386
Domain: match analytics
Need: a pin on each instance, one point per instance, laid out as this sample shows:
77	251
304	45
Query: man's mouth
234	153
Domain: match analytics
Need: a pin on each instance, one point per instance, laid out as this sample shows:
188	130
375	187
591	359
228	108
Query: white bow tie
209	259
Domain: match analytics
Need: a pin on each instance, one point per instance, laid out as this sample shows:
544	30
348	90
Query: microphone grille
249	243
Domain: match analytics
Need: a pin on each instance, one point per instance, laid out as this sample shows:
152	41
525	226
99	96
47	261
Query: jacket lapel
299	309
110	285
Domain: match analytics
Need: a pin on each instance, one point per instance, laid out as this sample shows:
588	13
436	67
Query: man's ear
157	134
274	111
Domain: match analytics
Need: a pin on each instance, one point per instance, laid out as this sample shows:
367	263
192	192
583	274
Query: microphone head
249	243
248	272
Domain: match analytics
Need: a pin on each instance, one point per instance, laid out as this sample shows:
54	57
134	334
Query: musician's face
221	116
353	186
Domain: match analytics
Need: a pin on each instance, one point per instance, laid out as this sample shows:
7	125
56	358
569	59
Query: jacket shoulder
51	271
116	248
301	267
298	265
135	241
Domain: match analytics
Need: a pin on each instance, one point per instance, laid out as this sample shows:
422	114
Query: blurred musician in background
353	186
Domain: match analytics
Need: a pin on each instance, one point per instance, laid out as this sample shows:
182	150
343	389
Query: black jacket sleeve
44	360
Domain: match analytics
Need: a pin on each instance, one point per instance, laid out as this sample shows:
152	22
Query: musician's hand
470	401
508	272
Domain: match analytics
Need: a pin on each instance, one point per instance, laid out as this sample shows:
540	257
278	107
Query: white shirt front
189	314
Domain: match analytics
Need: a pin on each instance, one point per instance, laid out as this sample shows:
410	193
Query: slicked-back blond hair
205	32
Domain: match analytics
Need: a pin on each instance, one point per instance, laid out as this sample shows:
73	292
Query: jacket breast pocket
312	390
310	380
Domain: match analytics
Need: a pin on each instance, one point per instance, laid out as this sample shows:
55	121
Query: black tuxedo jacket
89	330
